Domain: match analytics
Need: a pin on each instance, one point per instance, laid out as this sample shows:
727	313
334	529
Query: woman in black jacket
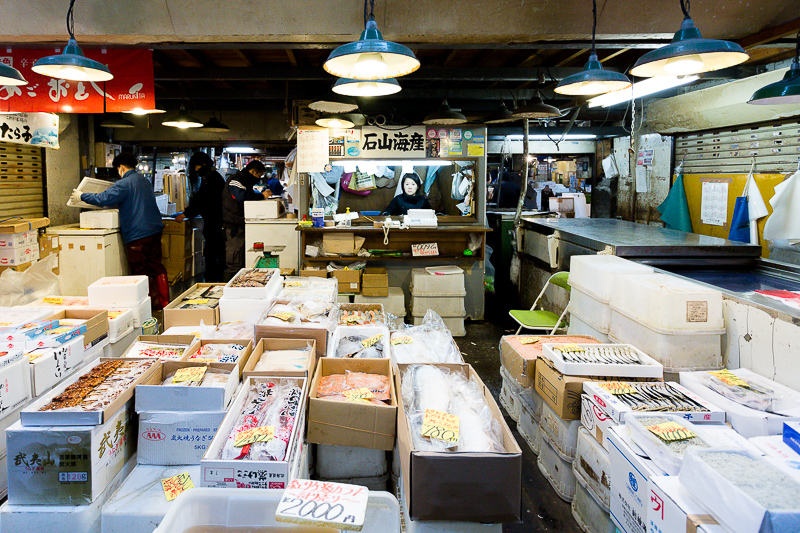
412	197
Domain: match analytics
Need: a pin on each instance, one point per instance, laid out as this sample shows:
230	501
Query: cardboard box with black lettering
518	353
349	280
460	486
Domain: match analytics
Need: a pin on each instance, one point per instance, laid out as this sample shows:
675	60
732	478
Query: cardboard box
180	269
475	487
375	282
96	323
519	356
173	227
349	280
671	511
375	292
350	423
15	386
791	435
32	416
175	437
190	317
17	225
18	255
264	209
246	473
159	397
265	345
320	332
319	273
118	291
50	365
17	240
68	465
562	393
342	243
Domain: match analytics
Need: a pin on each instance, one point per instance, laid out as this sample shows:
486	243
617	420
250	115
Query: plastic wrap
218	353
745	493
232	330
308	288
165	352
359	342
430	342
334	386
213	377
298	312
284	360
741	391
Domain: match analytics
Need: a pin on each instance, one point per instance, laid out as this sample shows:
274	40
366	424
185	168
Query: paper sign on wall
34	129
427	249
312	149
714	203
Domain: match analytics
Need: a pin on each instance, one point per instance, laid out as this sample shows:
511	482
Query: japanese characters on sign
35	129
323	503
395	142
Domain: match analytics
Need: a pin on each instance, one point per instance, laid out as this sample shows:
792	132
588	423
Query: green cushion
561	279
534	319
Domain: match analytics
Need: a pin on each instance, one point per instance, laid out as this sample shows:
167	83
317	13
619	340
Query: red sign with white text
131	87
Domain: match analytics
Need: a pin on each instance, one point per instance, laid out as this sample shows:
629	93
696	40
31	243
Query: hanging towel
784	224
756	208
740	221
675	209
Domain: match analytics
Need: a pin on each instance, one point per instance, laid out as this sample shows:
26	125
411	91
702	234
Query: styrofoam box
690	350
267	292
18	255
579	326
646	368
100	219
18	240
304	464
120	323
557	471
9	417
588	512
242	508
424	283
595	274
593	312
242	309
118	291
54	365
561	434
595	420
15	384
261	209
176	437
454	324
510	393
138	505
668	304
141	311
366	331
528	426
592	467
535	402
349	462
118	349
443	305
395	303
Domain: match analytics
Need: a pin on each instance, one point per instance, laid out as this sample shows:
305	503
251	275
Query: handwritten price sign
671	431
360	394
191	373
440	426
174	486
323	503
426	249
618	387
256	434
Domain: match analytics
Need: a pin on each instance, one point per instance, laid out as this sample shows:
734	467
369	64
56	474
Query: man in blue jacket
140	224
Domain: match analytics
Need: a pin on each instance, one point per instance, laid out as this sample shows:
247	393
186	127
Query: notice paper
714	203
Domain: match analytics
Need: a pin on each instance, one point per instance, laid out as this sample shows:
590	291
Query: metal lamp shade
592	80
445	115
351	87
786	91
73	65
537	109
503	114
183	121
334	122
11	76
371	57
214	125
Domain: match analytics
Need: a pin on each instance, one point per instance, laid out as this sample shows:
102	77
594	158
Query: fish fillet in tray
615	360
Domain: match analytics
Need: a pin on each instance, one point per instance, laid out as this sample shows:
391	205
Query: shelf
350	258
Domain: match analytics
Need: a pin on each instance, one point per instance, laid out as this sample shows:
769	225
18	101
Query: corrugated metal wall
21	181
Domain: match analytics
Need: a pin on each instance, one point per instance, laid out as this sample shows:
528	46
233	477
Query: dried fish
610	354
652	396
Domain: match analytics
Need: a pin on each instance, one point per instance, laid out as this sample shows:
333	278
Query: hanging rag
675	209
430	178
756	208
784	224
740	221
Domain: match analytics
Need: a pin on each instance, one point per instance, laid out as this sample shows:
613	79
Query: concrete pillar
63	172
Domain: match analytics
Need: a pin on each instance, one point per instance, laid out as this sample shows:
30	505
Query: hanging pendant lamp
11	76
183	120
445	115
351	87
334	104
138	111
537	109
593	79
215	125
116	122
371	57
334	122
72	64
785	91
503	114
689	53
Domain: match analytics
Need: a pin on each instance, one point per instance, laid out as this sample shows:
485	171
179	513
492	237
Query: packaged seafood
336	386
361	315
305	288
261	283
154	350
360	342
744	492
430	342
298	312
617	360
189	387
218	353
285	360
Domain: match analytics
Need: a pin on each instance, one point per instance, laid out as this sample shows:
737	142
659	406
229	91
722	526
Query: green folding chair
541	319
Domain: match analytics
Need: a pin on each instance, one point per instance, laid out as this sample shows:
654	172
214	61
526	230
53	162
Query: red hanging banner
132	86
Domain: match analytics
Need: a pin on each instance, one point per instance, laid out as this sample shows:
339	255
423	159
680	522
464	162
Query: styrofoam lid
595	274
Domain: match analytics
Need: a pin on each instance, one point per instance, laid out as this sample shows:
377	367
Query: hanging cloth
784	224
756	208
675	209
740	221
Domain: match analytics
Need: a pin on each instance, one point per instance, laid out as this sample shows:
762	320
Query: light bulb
682	65
370	65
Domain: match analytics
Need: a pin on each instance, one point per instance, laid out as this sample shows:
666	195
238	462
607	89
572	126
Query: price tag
729	378
569	348
528	339
191	373
372	341
54	300
177	484
617	387
292	284
671	431
402	339
426	249
286	316
360	394
197	301
256	434
323	503
440	426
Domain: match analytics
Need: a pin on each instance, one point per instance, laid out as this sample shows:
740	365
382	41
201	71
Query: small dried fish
609	354
658	396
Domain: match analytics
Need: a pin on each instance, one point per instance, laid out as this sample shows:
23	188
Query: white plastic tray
648	367
89	185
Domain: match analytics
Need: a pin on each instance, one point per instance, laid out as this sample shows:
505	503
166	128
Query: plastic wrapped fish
259	399
218	353
741	391
361	347
281	416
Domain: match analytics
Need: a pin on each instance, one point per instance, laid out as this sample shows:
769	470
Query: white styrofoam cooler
528	424
593	312
592	467
443	305
510	392
589	514
423	283
267	292
557	471
677	350
561	434
595	274
668	304
349	461
118	291
579	326
100	219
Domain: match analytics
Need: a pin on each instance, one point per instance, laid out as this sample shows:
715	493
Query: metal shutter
21	181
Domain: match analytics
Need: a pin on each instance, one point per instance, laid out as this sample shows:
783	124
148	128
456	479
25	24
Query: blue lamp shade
11	76
689	53
592	80
371	58
786	91
72	65
351	87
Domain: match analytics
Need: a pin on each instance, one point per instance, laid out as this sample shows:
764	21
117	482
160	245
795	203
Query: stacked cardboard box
177	253
19	244
442	291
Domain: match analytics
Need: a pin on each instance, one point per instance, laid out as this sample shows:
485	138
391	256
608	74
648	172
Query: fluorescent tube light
640	89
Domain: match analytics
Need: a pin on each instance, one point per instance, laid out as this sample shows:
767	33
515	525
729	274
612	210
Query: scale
270	258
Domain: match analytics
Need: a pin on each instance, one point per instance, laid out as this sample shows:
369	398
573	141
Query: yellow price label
569	348
372	341
402	339
54	300
729	378
529	339
617	387
355	395
191	373
671	431
196	301
286	316
175	485
292	284
256	434
440	426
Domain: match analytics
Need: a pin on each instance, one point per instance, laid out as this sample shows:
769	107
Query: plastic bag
429	342
348	184
38	281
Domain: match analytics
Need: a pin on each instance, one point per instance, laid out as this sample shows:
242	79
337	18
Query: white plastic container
100	219
534	402
596	274
557	471
120	323
677	351
589	514
423	283
668	303
442	305
561	434
454	324
644	367
510	392
118	349
118	291
228	508
579	326
592	468
593	312
141	311
242	309
267	292
528	426
349	461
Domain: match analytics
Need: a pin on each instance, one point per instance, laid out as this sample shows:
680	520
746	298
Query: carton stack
246	301
122	293
442	290
19	244
177	252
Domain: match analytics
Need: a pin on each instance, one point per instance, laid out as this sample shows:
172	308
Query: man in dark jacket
238	190
206	202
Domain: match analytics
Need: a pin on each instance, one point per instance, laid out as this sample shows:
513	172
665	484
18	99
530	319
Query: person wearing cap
411	196
207	202
237	191
139	223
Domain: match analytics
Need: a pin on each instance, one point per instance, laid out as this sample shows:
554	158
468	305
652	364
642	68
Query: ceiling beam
612	55
572	57
575	44
770	34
